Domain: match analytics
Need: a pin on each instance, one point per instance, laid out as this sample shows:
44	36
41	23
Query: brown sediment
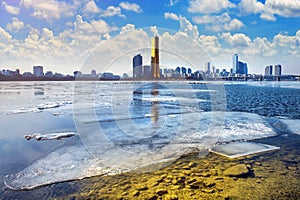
272	175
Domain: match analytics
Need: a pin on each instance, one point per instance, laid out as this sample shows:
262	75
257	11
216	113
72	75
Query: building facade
269	70
155	69
38	71
137	64
278	70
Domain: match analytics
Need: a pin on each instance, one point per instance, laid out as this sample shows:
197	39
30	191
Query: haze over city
60	35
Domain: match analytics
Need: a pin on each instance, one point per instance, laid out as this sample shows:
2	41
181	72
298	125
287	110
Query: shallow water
120	130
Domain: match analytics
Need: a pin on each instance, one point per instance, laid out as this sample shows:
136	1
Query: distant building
183	71
235	61
278	70
125	75
155	69
207	68
93	73
38	71
28	74
269	70
189	71
7	72
137	64
77	73
49	74
147	71
238	66
178	70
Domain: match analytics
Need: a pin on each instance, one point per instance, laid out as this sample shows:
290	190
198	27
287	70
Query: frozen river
120	126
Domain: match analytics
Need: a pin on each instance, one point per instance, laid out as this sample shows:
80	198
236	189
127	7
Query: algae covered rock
238	170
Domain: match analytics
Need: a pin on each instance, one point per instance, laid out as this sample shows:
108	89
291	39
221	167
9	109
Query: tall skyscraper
278	70
155	71
269	70
238	66
137	64
38	71
207	68
235	62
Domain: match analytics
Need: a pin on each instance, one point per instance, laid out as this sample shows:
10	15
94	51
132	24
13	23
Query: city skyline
61	34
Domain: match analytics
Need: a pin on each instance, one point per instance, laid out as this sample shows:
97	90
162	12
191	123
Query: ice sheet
293	125
239	149
117	152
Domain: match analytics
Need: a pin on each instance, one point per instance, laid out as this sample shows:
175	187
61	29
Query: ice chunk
293	125
48	106
239	149
50	136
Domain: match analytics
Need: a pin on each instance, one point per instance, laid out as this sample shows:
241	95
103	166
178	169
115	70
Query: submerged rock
237	171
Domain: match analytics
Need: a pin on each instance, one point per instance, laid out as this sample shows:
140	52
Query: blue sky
60	35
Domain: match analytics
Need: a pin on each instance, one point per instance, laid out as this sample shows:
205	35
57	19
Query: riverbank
272	175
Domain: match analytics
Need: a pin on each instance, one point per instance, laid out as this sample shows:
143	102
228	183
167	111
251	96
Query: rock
171	197
209	183
135	193
161	192
192	164
208	190
237	171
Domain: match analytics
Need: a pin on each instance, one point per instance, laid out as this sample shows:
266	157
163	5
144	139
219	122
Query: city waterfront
142	139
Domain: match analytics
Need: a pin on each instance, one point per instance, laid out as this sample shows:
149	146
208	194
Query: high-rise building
146	71
207	68
235	62
238	66
155	70
269	70
137	64
278	70
38	71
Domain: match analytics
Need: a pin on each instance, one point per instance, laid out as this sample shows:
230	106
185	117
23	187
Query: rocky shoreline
272	175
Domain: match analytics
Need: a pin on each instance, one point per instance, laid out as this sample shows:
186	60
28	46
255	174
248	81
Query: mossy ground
272	175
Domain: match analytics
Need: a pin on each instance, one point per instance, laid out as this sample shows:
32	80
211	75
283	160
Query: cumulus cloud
270	8
91	7
11	9
15	25
238	40
172	16
51	9
219	22
112	11
250	6
131	7
209	6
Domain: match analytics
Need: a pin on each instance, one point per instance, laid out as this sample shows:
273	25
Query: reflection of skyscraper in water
155	58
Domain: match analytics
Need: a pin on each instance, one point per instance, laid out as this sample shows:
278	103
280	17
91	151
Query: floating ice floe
239	149
292	124
50	136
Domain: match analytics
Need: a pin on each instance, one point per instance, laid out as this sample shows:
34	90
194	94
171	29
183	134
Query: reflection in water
154	107
39	91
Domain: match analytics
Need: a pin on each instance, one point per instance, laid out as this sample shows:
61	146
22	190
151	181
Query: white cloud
238	40
172	16
219	22
173	2
131	7
91	7
209	6
283	8
15	26
51	9
250	6
112	11
4	36
11	9
127	27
